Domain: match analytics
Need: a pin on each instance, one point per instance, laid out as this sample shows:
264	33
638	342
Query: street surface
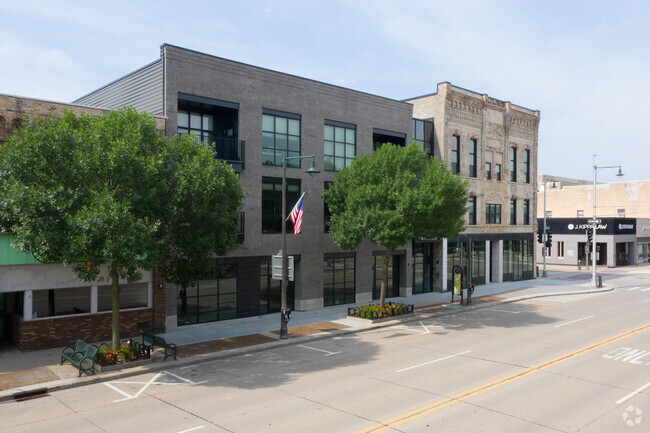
578	363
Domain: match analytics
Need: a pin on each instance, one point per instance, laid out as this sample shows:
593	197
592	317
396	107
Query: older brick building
45	304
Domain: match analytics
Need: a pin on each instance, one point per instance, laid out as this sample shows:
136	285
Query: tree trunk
384	278
115	277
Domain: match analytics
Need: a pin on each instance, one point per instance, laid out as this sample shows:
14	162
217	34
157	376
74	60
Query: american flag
296	215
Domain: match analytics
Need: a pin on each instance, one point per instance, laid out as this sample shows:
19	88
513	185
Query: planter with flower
129	354
375	312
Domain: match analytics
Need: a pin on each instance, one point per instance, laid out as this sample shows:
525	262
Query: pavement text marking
464	395
152	381
628	354
573	321
431	362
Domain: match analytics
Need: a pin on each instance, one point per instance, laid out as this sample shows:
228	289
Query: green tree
111	192
392	196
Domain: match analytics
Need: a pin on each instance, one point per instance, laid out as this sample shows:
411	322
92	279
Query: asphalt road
577	363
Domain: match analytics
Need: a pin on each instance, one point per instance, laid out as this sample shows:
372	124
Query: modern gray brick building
253	114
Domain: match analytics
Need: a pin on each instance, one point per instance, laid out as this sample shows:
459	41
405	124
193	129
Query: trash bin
599	281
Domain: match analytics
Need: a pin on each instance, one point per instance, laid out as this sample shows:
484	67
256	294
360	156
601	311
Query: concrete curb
62	384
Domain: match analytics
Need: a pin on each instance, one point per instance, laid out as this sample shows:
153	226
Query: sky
583	64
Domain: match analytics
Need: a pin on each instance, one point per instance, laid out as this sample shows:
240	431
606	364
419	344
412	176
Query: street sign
594	221
276	267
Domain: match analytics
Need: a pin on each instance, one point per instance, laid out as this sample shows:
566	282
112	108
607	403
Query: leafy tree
391	196
112	192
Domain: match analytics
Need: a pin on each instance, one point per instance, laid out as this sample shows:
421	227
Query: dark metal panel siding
248	286
143	89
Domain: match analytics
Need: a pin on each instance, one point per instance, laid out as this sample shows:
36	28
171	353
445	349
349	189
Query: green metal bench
81	355
152	341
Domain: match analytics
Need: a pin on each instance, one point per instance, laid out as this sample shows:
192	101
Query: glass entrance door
422	267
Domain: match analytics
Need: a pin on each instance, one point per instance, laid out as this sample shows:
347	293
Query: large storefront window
517	259
209	300
131	296
422	267
60	302
456	255
393	277
338	281
478	262
271	291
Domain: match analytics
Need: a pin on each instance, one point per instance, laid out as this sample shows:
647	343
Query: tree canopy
112	190
392	196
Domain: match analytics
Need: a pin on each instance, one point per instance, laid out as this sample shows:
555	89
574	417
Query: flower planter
374	313
121	365
383	319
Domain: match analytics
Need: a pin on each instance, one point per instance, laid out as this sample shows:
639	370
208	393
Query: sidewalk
39	371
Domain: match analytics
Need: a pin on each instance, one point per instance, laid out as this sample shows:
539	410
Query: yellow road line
447	401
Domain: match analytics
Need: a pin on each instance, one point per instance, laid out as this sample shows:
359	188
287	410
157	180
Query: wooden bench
152	341
81	355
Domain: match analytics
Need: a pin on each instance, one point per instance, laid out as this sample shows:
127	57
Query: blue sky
583	64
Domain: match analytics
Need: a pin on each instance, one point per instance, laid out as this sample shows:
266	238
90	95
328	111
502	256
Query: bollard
599	281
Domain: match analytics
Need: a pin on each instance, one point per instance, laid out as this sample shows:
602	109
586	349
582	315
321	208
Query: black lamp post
285	313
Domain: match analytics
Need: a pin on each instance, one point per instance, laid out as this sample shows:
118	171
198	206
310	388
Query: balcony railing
231	151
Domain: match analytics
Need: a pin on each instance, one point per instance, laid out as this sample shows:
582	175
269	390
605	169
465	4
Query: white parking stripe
645	290
503	311
327	352
633	393
630	289
431	362
573	321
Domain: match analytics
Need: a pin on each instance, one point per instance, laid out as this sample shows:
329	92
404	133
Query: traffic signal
539	236
549	238
590	236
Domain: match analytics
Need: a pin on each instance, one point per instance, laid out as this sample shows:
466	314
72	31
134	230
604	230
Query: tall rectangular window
471	207
492	213
210	299
488	170
423	134
280	134
272	202
338	281
527	166
497	170
455	154
560	249
340	145
472	157
513	164
526	212
513	211
270	290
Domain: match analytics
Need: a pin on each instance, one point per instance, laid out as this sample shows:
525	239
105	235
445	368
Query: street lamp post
284	311
469	267
544	236
594	221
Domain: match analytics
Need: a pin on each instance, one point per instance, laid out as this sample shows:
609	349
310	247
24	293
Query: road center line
573	321
633	393
431	362
464	395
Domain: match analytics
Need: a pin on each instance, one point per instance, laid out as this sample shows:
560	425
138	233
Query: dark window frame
527	166
330	159
488	170
513	211
276	137
471	209
492	213
455	154
473	150
276	215
513	164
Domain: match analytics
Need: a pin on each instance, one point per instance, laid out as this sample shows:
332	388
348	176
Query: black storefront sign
575	226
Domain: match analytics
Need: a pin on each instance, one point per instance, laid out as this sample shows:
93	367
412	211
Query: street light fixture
284	312
594	220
